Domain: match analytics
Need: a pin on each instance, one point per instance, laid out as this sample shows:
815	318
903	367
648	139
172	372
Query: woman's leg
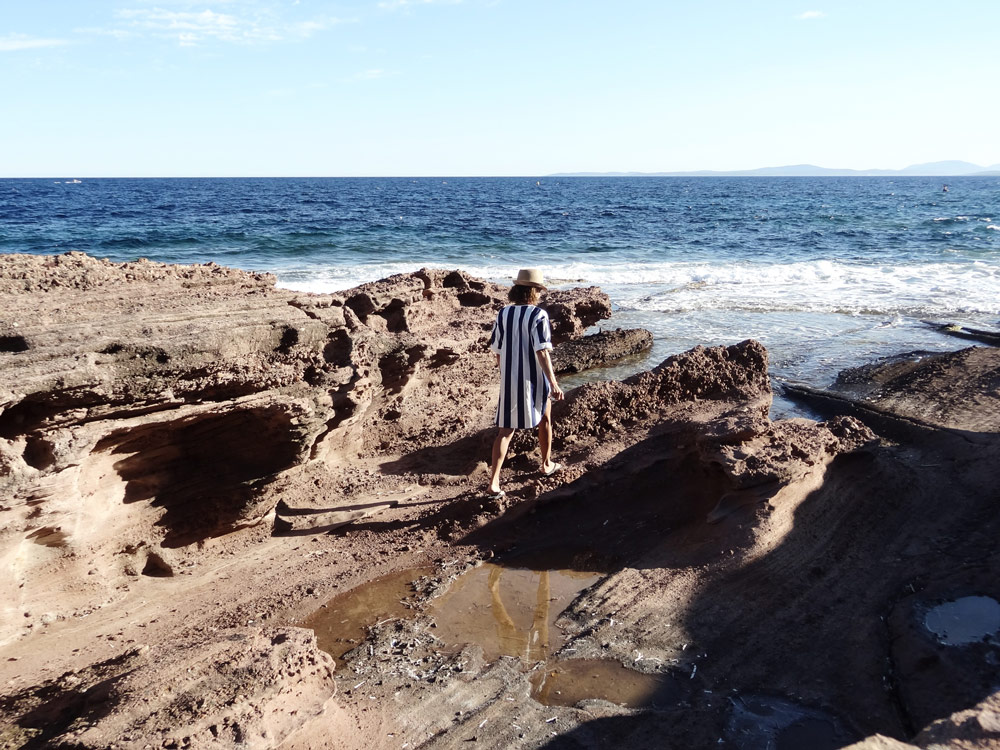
504	435
545	437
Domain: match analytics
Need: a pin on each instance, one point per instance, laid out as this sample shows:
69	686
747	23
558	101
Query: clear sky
492	87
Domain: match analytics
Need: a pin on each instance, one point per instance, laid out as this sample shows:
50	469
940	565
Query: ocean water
827	272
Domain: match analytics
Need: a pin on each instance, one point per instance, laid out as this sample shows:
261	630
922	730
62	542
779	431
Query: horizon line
698	173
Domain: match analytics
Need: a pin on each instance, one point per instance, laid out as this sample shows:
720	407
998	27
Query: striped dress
519	332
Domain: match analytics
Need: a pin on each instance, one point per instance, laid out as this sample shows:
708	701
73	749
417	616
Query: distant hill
944	168
930	169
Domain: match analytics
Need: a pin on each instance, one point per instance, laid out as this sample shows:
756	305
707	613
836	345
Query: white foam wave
330	279
828	286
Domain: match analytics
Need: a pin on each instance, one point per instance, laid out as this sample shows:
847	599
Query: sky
161	88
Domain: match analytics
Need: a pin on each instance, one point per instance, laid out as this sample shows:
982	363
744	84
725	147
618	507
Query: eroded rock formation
595	350
146	408
192	461
247	688
958	390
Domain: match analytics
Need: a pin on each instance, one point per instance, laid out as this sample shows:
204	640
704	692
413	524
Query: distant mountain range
930	169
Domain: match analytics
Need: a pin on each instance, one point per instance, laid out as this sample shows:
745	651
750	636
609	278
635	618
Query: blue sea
828	272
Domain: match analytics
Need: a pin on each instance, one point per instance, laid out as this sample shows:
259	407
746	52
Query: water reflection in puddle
574	680
778	724
342	624
966	620
508	611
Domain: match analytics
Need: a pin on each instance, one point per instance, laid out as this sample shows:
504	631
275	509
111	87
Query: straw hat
530	277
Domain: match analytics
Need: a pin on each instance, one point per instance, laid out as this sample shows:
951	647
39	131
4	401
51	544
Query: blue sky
492	87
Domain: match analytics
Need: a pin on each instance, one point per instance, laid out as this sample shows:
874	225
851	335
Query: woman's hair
520	294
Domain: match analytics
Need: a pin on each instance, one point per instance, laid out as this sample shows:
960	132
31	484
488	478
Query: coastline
175	440
824	272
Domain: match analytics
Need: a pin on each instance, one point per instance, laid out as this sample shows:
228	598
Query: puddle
343	623
574	680
508	611
815	734
970	619
768	723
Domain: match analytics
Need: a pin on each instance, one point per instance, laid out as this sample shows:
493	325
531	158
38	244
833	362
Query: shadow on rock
44	712
452	459
843	590
205	470
839	572
612	515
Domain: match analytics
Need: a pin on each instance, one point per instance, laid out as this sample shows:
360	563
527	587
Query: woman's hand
546	362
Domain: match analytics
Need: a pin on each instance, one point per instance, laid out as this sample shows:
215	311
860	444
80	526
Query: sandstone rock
296	521
146	408
938	678
977	728
574	311
247	688
964	332
147	411
724	374
880	742
957	390
754	451
715	401
599	349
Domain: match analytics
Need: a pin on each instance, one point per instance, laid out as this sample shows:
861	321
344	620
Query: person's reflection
534	644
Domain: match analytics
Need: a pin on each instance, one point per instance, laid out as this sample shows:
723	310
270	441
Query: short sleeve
496	338
541	333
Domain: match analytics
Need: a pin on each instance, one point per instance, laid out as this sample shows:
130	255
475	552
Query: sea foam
934	289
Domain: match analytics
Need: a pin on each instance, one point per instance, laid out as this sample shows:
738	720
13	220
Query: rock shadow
869	552
833	589
204	470
452	459
614	514
44	712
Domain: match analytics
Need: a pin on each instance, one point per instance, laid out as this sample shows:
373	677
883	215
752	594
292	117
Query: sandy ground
194	465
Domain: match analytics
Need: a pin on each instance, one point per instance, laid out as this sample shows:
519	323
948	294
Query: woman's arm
546	362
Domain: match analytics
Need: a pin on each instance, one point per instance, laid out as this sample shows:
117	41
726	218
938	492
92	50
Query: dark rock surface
958	390
599	349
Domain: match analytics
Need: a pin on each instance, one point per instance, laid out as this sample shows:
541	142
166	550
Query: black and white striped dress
519	332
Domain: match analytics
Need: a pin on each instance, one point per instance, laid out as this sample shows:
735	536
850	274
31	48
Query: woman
521	341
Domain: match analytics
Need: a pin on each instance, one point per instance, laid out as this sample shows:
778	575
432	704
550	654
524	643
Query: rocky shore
195	464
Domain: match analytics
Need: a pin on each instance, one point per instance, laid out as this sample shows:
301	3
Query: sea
828	272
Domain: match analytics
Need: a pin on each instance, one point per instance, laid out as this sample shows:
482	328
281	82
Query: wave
823	286
125	242
827	287
958	219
